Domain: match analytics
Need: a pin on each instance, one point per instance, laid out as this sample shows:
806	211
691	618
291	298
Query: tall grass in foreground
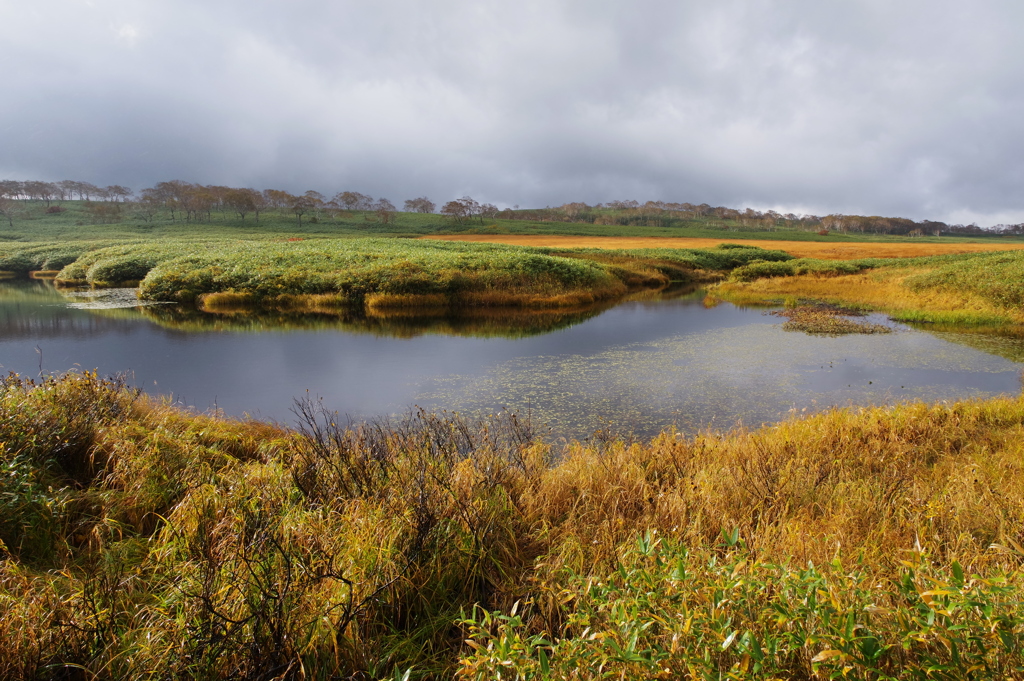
666	612
140	540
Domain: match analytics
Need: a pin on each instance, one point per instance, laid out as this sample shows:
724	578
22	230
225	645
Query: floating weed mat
827	320
106	299
665	612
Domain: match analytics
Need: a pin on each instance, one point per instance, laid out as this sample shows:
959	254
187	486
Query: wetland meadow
359	452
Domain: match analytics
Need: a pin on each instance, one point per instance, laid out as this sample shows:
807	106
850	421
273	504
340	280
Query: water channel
656	361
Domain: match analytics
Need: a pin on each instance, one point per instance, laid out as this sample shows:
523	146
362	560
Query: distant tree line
461	211
190	202
65	190
196	203
665	214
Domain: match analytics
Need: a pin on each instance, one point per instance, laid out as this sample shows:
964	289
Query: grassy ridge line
142	539
386	273
974	289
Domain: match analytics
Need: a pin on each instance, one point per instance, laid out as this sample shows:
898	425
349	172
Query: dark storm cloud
913	108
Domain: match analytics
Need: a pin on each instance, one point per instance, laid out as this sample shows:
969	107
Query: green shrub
667	613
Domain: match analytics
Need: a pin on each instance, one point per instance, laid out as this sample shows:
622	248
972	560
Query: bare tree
461	210
172	194
11	189
9	208
385	211
300	205
67	189
472	207
40	191
241	201
572	211
277	198
199	202
105	212
420	205
86	190
260	202
834	222
317	202
354	201
220	196
145	208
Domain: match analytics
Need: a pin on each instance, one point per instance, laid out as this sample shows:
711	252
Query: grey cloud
911	108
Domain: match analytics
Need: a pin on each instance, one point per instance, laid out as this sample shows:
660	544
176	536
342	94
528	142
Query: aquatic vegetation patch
827	320
754	373
105	299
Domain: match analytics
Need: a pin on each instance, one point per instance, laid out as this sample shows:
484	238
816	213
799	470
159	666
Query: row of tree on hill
65	190
196	203
191	202
663	214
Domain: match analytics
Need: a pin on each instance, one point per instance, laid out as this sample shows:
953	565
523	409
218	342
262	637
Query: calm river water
637	367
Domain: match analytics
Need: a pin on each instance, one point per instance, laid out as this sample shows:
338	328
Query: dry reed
164	542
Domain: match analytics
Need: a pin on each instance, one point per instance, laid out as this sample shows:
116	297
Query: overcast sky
891	107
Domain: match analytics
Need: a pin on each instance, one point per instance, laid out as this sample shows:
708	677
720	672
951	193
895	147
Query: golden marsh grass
142	539
882	289
799	249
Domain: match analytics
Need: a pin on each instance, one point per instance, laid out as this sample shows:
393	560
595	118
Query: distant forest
189	202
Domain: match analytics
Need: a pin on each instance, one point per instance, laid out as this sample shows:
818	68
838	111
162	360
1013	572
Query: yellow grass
386	304
161	523
799	249
874	289
569	299
387	301
225	302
